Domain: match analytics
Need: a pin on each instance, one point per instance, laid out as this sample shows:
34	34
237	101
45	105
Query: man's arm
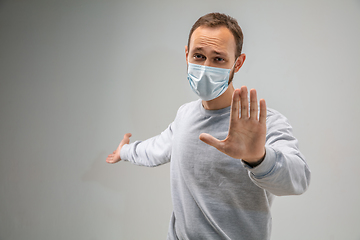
273	161
284	170
152	152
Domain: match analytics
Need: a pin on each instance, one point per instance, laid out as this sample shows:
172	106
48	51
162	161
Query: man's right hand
115	156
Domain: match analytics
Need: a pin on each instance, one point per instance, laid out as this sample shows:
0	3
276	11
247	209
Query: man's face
214	47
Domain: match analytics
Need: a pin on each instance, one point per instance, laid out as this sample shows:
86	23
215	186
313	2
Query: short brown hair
219	19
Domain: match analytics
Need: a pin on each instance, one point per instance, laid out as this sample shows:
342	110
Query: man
222	189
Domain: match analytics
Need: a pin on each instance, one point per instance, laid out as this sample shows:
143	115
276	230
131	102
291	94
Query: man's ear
186	54
239	62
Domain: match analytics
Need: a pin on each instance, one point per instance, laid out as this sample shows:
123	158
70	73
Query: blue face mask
208	82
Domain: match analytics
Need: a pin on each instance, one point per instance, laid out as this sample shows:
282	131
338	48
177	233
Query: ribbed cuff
123	152
266	166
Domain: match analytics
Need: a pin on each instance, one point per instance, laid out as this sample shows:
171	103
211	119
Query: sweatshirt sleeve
152	152
284	170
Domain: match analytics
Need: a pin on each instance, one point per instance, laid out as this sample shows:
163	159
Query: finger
109	158
210	140
263	111
126	139
244	102
127	136
234	114
253	104
110	161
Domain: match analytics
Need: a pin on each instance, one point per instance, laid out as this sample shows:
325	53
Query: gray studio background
76	75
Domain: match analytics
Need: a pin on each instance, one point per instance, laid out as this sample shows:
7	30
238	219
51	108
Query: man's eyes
202	57
199	56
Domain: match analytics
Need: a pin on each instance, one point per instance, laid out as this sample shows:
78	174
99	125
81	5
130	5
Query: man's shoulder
274	117
272	112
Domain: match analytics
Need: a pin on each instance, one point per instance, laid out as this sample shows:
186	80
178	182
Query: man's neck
220	102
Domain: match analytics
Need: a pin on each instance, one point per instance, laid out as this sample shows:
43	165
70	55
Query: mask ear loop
234	70
235	63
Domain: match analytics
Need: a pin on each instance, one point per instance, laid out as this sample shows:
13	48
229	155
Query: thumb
125	140
210	140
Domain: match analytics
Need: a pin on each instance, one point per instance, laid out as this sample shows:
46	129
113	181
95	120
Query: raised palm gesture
247	132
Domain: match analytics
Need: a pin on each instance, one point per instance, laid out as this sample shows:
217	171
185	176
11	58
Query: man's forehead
219	38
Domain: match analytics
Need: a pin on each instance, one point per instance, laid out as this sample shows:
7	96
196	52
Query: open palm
247	132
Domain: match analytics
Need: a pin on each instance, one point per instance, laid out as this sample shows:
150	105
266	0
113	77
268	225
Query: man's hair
214	20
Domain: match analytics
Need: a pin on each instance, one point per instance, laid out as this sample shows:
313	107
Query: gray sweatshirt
215	196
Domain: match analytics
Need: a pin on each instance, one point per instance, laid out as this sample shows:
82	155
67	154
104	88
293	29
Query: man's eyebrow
200	49
219	53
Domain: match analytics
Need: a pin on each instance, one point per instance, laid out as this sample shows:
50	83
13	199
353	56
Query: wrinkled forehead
214	38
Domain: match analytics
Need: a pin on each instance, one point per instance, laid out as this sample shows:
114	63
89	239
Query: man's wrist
256	163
